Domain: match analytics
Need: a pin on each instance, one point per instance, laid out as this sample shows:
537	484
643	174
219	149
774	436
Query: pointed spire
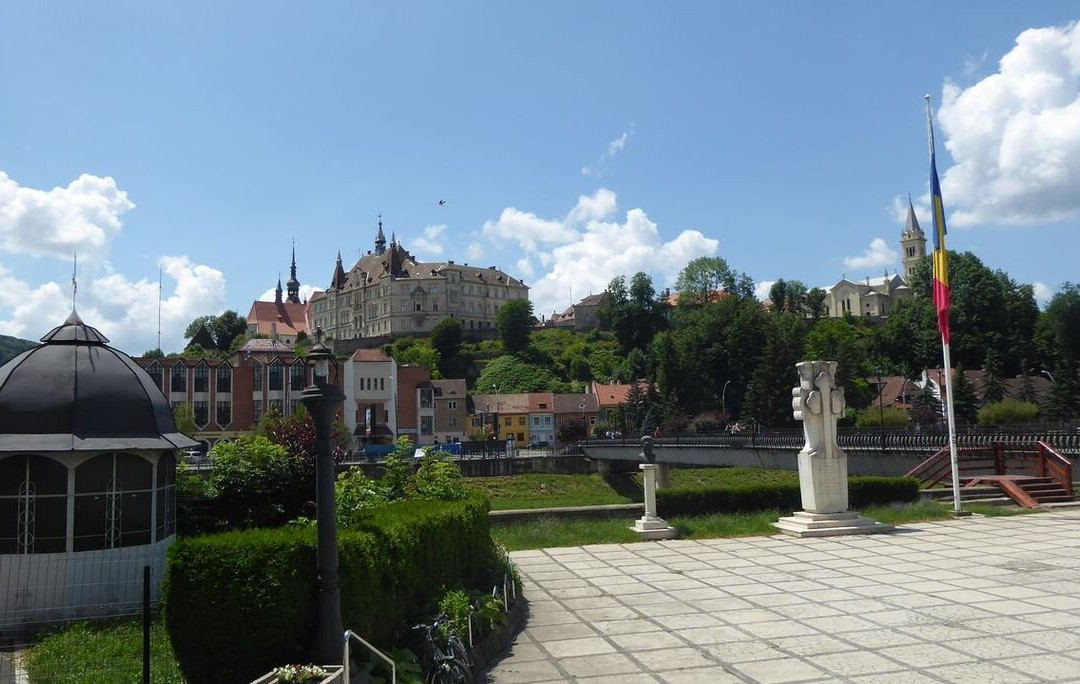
911	226
380	238
338	281
294	284
277	291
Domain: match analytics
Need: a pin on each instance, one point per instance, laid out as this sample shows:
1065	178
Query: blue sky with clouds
571	141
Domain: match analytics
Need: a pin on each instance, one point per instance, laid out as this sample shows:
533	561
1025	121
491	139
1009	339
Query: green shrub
256	481
238	604
457	608
1008	412
354	495
875	417
439	477
784	497
864	491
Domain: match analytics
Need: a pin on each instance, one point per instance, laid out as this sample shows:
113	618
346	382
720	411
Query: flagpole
954	460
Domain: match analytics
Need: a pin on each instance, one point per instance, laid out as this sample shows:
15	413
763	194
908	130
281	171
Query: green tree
514	321
154	353
635	314
1063	401
226	327
184	419
993	385
778	295
815	302
446	338
206	321
925	408
769	399
965	402
1058	328
848	342
512	375
703	277
257	480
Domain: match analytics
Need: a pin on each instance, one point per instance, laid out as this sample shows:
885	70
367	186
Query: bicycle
445	658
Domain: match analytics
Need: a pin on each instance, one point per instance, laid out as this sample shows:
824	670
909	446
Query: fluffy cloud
81	218
878	254
429	245
590	247
761	290
1015	135
125	311
1043	293
475	251
527	229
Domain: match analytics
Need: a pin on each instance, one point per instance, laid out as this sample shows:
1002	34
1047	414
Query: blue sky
571	141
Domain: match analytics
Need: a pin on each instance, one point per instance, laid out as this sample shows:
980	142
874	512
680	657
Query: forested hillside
10	347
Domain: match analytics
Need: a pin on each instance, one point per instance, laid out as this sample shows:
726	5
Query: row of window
178	377
200	411
273	376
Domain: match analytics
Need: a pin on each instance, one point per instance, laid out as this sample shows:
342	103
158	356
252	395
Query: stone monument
650	525
818	402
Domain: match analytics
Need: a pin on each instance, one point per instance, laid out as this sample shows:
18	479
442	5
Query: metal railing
348	637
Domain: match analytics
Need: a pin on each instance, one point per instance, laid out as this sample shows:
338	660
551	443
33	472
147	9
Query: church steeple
294	284
380	239
338	281
277	292
912	241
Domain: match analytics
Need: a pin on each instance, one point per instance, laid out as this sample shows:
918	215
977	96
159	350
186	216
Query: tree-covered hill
10	347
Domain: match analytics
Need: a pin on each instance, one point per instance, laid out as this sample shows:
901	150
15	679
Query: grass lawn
536	490
727	477
552	532
105	652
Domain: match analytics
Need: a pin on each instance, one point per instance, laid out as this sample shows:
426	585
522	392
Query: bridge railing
1066	441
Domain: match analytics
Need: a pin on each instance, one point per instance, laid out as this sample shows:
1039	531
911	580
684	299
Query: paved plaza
975	600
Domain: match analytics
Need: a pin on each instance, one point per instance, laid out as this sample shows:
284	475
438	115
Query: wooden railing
1053	464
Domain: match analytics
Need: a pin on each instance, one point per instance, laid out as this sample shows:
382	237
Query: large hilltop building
281	319
879	296
388	293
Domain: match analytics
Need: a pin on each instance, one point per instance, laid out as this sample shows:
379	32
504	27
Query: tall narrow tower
293	284
912	241
380	239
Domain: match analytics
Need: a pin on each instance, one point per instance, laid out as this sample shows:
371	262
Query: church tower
912	241
293	284
380	239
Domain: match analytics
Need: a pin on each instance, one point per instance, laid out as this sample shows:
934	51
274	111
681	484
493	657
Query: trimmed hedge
862	492
239	603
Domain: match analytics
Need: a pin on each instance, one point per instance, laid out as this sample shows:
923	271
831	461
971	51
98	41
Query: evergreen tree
925	408
965	402
1027	388
1063	401
635	407
993	386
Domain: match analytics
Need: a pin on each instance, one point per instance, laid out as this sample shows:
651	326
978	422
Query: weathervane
74	282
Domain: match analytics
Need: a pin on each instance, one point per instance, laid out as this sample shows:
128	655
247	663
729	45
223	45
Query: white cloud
761	290
125	311
475	251
525	268
878	254
1015	135
305	293
590	248
1043	294
429	245
81	218
613	148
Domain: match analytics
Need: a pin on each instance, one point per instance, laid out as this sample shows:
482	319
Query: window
293	405
509	421
112	502
201	411
425	398
521	420
154	371
547	421
276	405
257	376
202	378
33	505
451	405
256	410
224	379
224	413
382	384
178	378
453	421
427	425
276	377
296	376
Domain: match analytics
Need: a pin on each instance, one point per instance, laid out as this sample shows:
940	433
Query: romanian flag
941	262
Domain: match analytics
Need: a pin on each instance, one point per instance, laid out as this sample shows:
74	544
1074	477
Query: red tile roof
286	318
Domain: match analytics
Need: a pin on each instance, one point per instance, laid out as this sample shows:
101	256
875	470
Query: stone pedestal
650	525
663	475
823	479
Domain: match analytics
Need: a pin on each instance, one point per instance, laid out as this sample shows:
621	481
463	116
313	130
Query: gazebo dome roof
75	393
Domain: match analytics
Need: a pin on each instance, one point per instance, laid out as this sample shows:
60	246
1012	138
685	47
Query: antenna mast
159	308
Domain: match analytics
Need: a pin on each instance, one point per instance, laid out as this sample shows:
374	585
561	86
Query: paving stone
745	651
925	655
856	663
598	665
632	626
703	675
568	648
672	659
982	672
813	644
634	678
606	614
991	647
780	670
525	672
774	629
572	630
711	635
1055	668
647	641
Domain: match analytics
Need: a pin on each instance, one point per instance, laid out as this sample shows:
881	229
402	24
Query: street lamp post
881	408
1044	372
322	399
723	402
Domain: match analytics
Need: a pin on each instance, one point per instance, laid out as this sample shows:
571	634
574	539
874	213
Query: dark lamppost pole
881	408
322	399
723	402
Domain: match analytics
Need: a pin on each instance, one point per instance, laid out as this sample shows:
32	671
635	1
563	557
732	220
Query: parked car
538	444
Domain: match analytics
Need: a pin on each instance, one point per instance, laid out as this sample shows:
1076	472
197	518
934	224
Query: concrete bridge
869	452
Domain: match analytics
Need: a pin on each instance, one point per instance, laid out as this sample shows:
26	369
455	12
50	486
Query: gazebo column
69	535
